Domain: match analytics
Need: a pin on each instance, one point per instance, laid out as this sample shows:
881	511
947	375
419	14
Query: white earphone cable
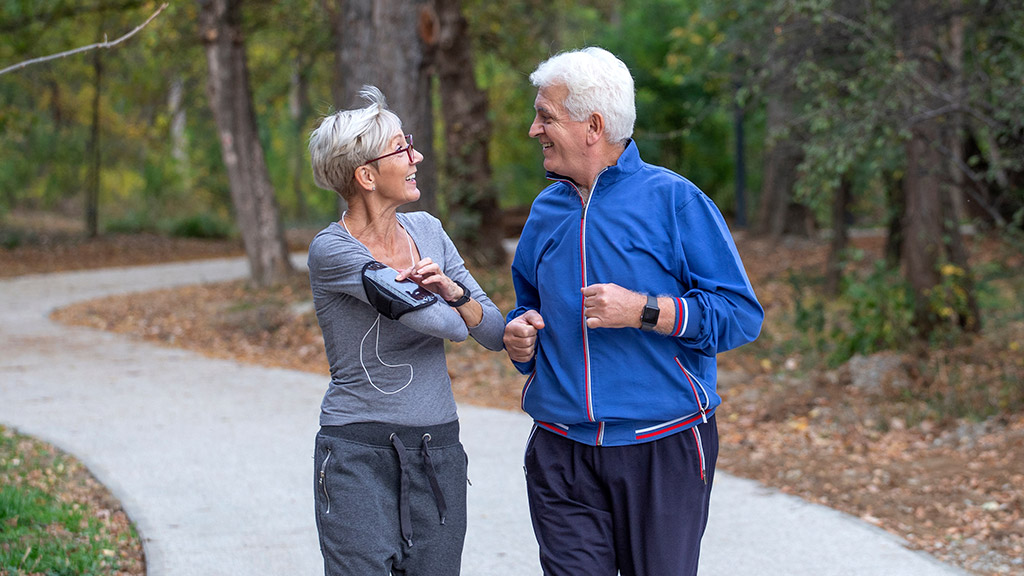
376	324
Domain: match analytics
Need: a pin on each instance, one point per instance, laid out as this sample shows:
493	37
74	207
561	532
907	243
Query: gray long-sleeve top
383	370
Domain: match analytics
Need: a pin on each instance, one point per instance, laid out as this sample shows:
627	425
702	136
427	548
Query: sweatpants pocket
323	495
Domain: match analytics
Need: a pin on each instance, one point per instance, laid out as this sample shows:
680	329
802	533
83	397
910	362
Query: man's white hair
345	141
597	82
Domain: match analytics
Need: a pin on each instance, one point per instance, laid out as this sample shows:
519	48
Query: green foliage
685	89
808	315
855	90
684	100
516	162
875	313
948	302
694	61
510	40
872	313
10	239
134	222
1000	284
202	225
289	44
958	376
150	172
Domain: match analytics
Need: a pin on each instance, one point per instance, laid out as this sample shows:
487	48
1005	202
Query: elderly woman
389	288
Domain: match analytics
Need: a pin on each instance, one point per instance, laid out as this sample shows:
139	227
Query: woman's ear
365	176
595	128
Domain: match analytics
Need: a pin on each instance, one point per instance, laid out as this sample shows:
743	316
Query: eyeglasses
407	149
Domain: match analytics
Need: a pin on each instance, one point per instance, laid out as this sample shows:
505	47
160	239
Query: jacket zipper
700	454
526	389
694	384
588	390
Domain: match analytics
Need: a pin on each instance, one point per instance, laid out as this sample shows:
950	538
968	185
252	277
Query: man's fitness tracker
649	317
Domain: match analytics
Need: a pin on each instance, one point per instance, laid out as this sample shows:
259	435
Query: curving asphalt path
212	458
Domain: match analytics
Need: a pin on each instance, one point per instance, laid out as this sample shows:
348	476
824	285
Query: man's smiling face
562	139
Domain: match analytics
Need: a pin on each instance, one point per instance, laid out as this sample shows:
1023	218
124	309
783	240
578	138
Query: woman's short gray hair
597	82
345	141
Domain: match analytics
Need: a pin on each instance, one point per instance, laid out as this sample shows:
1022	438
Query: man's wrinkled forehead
550	100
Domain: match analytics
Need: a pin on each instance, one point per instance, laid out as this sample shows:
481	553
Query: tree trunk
256	208
840	238
932	236
738	117
298	108
178	137
780	168
474	216
386	43
894	220
955	133
92	191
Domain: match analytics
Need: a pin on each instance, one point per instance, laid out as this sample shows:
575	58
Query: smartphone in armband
391	297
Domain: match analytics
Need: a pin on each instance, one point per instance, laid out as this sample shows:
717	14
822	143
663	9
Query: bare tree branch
66	10
104	44
978	183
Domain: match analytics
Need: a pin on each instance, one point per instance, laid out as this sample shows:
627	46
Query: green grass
47	523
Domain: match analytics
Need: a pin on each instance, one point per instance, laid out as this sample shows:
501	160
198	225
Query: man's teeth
410	178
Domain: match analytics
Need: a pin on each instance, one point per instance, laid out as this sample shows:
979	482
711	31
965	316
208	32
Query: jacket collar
628	163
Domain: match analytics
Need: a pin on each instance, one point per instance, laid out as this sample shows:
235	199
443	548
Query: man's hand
612	306
521	336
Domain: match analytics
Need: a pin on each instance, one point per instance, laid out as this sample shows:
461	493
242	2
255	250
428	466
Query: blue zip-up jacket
652	231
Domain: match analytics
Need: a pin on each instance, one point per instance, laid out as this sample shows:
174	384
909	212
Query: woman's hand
429	275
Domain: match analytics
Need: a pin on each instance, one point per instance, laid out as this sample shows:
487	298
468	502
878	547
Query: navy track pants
636	510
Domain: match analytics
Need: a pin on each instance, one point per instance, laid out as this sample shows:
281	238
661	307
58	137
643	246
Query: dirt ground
951	486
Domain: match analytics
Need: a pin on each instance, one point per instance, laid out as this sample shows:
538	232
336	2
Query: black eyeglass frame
407	149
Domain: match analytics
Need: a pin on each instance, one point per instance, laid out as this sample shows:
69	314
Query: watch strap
460	301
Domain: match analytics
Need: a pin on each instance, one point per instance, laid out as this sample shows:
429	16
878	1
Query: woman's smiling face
397	175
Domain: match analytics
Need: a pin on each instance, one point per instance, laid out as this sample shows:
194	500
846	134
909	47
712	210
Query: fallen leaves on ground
954	488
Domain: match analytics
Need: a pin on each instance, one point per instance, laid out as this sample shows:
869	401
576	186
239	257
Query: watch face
649	317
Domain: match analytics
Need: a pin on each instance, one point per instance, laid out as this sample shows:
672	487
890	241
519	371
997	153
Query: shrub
201	226
130	223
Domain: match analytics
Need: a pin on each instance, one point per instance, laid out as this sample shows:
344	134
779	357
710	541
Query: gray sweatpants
390	499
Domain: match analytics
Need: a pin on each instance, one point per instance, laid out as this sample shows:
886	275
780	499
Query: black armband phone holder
391	297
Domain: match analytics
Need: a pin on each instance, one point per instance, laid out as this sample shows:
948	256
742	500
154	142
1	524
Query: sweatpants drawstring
435	486
403	491
404	517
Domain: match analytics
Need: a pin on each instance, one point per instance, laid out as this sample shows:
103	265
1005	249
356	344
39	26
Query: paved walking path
212	458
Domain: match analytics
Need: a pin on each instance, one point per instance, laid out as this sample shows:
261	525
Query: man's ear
595	128
365	177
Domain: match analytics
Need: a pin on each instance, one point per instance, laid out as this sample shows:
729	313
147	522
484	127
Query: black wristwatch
465	295
649	317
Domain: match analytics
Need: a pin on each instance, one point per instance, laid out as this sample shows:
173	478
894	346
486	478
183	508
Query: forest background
806	121
806	115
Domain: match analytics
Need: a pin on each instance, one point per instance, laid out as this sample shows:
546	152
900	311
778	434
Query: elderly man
628	284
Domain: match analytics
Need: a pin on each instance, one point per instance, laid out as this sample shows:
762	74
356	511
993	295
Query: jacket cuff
515	313
526	367
688	317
